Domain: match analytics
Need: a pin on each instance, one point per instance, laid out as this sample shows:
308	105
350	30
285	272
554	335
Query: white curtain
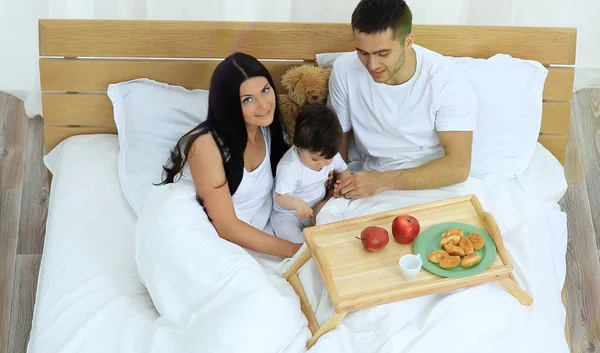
19	73
18	23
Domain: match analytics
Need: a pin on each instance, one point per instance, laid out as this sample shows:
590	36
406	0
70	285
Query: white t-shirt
395	126
294	178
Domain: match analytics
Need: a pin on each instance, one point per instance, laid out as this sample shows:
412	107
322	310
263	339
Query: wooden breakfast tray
356	279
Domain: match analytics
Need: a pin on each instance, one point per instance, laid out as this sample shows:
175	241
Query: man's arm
452	168
344	146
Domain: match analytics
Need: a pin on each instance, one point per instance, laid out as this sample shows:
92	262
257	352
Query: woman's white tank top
253	199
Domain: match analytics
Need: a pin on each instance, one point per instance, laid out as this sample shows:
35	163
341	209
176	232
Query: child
303	172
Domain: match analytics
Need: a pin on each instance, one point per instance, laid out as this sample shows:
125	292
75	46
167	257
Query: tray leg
511	286
304	303
327	326
292	277
300	261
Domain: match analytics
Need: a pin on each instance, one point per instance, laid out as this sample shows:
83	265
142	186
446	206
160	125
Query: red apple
374	238
405	229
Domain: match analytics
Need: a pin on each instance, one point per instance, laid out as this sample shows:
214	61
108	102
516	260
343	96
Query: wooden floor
23	208
582	205
24	199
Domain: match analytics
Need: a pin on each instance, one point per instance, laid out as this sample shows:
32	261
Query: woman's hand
294	247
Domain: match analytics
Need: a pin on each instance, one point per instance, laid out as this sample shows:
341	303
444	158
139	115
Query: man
411	113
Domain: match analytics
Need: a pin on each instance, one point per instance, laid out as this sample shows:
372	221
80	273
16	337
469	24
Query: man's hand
303	210
362	184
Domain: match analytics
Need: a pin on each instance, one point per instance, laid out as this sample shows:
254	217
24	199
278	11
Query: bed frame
79	58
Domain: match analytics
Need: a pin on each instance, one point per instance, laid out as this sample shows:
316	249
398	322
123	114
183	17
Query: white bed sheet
89	297
488	317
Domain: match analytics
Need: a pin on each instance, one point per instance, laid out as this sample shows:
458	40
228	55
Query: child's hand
329	180
336	190
304	210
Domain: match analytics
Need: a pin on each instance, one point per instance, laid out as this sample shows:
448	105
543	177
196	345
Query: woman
232	156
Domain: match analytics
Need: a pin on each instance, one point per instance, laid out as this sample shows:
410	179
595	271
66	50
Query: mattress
89	296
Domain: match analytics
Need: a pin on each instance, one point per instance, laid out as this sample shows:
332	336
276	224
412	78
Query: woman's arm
208	173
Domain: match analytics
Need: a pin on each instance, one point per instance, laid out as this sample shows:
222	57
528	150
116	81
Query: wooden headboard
79	58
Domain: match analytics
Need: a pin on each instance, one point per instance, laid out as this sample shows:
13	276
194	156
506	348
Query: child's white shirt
294	178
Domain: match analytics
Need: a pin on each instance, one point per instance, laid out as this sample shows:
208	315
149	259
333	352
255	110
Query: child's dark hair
318	130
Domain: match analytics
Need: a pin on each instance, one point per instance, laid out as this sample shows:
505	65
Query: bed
92	295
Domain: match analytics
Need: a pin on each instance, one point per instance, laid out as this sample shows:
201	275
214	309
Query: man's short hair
318	130
376	16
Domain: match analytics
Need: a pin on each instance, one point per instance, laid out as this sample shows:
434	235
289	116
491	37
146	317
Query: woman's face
258	101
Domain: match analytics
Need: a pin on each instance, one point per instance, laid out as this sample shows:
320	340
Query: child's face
314	161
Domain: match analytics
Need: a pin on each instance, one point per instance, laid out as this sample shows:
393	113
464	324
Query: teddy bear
305	84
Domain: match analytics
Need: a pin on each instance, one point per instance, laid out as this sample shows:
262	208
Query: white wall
18	23
19	73
581	14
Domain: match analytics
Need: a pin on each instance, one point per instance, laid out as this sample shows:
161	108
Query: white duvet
213	296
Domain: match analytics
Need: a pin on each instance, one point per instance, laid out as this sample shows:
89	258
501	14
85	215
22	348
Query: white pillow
544	177
151	117
326	60
509	113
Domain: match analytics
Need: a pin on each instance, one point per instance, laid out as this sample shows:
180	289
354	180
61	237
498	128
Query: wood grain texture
329	325
515	290
573	165
555	118
582	284
557	145
77	109
576	205
559	84
13	141
25	286
345	267
286	40
567	326
313	325
94	75
586	106
96	110
54	135
10	204
298	263
34	198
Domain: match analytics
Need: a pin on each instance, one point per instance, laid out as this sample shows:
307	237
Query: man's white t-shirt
395	126
294	178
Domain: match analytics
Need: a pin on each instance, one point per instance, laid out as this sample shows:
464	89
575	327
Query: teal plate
429	240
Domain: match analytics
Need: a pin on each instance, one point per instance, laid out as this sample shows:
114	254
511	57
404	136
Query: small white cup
410	265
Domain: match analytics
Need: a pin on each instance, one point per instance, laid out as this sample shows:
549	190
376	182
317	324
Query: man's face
382	54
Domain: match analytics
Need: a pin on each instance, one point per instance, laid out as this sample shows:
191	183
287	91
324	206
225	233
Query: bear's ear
327	72
291	78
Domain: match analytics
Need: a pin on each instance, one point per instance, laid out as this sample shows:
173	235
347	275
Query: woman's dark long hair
225	121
